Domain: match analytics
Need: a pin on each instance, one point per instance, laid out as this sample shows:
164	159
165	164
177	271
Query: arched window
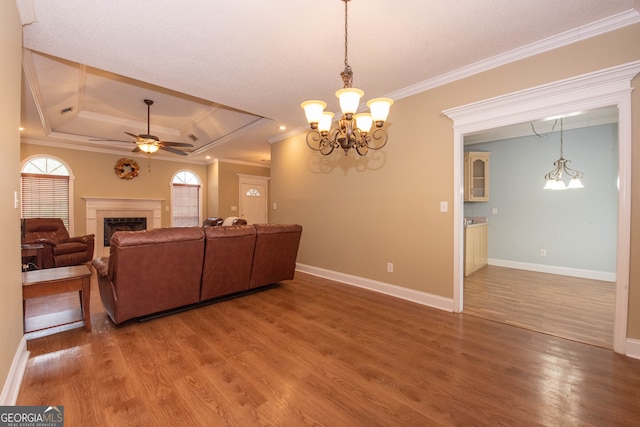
186	199
46	190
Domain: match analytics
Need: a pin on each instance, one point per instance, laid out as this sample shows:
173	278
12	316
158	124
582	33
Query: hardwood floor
568	307
316	352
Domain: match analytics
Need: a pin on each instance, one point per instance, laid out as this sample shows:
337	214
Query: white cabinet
476	176
476	249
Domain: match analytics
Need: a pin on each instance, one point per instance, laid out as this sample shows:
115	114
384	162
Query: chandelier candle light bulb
313	111
325	122
349	99
354	130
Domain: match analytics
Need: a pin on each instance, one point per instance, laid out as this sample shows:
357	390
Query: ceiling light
554	178
353	129
149	146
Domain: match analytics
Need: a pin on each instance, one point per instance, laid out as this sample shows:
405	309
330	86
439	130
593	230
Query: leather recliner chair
212	222
59	250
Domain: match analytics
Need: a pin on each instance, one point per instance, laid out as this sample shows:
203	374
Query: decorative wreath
127	169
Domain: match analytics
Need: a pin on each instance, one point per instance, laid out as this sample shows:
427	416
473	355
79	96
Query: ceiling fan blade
147	138
108	140
173	150
175	144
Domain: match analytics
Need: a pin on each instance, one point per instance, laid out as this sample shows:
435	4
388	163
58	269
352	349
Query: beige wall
229	186
11	286
95	177
359	214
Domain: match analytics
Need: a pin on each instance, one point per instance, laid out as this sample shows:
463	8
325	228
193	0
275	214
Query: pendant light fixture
554	178
354	130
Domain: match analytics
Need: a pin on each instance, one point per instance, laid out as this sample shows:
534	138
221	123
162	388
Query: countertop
475	221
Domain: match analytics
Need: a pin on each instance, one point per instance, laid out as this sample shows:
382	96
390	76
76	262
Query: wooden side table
31	251
51	281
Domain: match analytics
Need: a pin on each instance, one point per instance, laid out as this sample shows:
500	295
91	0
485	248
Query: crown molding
620	20
75	147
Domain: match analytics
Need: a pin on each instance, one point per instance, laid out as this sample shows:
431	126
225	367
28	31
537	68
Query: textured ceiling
230	73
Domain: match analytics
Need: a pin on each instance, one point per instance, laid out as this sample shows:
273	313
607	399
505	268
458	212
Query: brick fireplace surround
99	208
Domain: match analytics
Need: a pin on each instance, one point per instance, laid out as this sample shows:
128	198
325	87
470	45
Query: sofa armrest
101	265
83	239
42	241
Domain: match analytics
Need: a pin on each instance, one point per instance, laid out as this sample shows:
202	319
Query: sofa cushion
69	248
227	260
274	258
44	228
152	271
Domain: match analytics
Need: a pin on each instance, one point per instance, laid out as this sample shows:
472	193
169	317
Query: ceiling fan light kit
150	144
354	130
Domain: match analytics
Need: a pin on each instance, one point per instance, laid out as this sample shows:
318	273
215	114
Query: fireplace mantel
99	207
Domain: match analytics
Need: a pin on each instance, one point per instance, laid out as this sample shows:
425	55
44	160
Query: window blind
45	196
186	205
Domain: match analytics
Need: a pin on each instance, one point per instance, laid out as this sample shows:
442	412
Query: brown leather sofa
155	271
59	250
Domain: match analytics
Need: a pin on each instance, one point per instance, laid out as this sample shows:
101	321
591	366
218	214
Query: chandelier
354	130
554	178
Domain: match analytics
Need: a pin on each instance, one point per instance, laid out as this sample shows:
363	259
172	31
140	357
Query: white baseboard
14	379
552	269
412	295
633	348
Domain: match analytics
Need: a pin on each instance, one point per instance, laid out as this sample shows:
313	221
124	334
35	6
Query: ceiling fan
150	143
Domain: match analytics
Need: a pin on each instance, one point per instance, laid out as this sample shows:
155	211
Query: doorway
253	198
551	254
609	87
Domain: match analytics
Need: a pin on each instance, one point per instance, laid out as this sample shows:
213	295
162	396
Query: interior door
253	202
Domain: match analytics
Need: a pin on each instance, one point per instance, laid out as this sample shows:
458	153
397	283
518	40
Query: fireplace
99	208
111	225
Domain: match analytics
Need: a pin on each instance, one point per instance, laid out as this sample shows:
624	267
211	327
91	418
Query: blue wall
577	227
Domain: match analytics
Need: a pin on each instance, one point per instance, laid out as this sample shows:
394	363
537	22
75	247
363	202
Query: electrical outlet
543	252
389	267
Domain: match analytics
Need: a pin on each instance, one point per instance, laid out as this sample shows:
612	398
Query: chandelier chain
346	33
544	136
347	74
561	141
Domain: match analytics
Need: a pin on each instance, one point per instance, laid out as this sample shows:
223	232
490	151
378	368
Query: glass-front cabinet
476	176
